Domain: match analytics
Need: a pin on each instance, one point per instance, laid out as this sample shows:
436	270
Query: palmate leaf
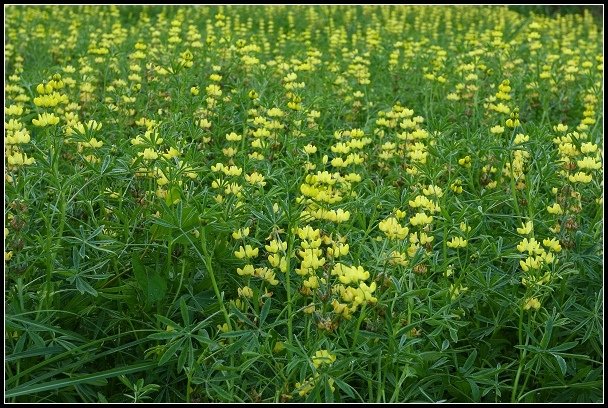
152	284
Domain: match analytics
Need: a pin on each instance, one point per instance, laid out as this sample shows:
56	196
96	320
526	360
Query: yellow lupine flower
45	119
526	228
580	177
457	242
589	163
245	292
532	303
248	270
310	148
247	251
465	161
149	154
555	209
240	233
531	246
497	129
421	219
323	357
552	244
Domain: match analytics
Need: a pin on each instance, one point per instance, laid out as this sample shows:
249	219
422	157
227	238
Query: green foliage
303	203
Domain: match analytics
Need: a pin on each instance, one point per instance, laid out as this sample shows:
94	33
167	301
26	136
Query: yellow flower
588	148
580	177
589	163
464	227
457	242
393	229
255	178
555	209
45	119
310	148
172	152
19	159
421	219
552	244
456	186
233	137
497	129
531	263
248	252
433	190
521	138
560	128
240	233
323	357
149	154
213	90
456	290
526	228
245	292
13	110
532	303
223	328
531	246
310	309
247	270
267	274
465	161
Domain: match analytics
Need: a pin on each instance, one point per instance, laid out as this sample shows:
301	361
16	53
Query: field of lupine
302	203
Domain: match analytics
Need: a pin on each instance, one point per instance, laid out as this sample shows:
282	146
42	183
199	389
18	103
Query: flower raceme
392	229
45	119
526	228
246	251
457	242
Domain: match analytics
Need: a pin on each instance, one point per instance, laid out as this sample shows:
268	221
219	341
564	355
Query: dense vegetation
302	203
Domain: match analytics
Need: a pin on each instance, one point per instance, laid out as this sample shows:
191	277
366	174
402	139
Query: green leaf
470	360
157	287
173	196
184	312
561	362
264	312
168	322
565	346
42	351
140	272
95	378
84	286
474	390
170	352
152	284
164	335
329	395
345	387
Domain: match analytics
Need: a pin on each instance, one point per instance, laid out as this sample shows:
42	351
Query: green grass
130	253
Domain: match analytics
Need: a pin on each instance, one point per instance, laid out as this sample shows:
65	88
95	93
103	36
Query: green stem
181	279
169	251
410	301
208	264
288	289
514	191
188	386
522	355
361	317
